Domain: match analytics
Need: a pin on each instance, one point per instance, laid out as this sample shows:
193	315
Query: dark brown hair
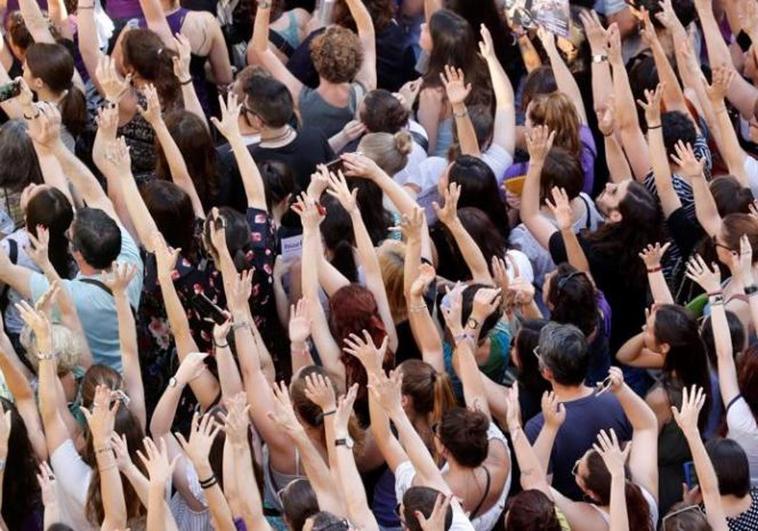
144	52
431	391
463	432
532	510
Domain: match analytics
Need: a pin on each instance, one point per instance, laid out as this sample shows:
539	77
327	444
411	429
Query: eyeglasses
680	511
536	352
603	386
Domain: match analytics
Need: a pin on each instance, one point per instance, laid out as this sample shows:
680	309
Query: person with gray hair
563	361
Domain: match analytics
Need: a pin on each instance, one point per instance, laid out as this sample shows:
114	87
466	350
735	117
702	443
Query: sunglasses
563	281
603	386
575	468
680	511
715	243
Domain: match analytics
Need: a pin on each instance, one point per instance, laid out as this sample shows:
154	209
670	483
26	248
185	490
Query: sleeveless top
274	481
291	33
318	114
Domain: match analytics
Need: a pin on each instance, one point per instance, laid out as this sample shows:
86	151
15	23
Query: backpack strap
100	284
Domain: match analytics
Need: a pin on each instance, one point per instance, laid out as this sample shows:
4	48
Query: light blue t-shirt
96	307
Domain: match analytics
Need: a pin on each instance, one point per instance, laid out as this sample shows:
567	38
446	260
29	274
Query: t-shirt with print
96	307
585	417
302	155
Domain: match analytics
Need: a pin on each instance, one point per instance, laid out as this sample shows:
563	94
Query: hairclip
562	282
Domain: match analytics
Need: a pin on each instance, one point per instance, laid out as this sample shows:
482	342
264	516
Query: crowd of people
378	265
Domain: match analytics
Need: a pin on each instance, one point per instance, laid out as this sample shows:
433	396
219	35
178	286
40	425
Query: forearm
618	166
543	446
127	334
156	21
220	512
574	251
705	206
417	452
259	42
317	472
111	490
139	483
471	252
251	177
659	288
639	414
425	333
728	144
601	79
89	47
619	519
727	372
706	475
673	97
661	171
52	173
228	375
51	515
165	410
81	177
159	517
474	393
191	101
35	21
718	51
177	166
566	82
466	133
250	497
532	472
353	491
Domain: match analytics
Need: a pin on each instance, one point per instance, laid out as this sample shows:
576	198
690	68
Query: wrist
298	346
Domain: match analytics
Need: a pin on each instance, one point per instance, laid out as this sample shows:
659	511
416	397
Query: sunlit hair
66	344
558	113
391	256
390	152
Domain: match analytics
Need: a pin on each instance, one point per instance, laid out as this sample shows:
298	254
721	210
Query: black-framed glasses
536	352
575	468
716	243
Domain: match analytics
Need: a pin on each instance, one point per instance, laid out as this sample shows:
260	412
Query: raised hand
311	214
539	141
452	79
151	113
320	391
237	419
165	256
45	303
436	520
359	165
202	434
720	80
500	273
120	277
610	451
614	46
370	356
107	121
230	112
666	15
39	246
353	130
156	461
339	190
426	274
182	59
118	156
412	225
648	34
606	116
25	96
741	264
40	325
593	29
121	450
486	302
521	291
47	484
319	182
653	254
242	288
388	391
103	416
452	310
345	409
652	105
707	278
221	333
547	38
408	93
45	127
486	46
513	410
112	84
218	231
687	416
560	206
192	366
300	321
616	379
553	411
685	158
448	214
283	413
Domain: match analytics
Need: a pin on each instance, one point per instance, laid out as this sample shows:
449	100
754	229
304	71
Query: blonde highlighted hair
558	112
390	152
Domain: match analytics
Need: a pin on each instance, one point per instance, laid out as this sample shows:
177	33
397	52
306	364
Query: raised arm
327	348
705	206
615	461
457	92
258	52
177	166
367	73
203	433
635	354
472	254
618	166
563	76
504	134
160	469
229	127
601	70
353	490
228	376
659	288
156	20
100	422
118	282
184	76
318	473
205	387
661	169
560	206
35	21
539	140
632	139
686	417
89	46
644	446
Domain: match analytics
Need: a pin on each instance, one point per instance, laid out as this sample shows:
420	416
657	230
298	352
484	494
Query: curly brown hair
337	54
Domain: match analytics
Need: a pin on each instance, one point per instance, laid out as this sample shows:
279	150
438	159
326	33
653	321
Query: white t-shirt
751	170
743	429
72	477
499	160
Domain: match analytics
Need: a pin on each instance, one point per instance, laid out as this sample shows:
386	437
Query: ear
547	374
38	84
615	216
664	348
406	401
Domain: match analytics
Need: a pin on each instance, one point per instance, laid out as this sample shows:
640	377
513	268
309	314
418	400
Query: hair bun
403	142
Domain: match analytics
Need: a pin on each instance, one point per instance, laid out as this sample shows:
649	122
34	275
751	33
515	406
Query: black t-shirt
685	232
627	302
395	62
309	149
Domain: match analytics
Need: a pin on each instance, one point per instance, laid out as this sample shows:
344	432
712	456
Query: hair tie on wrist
649	127
654	269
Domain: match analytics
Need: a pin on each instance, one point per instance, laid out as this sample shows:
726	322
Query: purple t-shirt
123	9
588	154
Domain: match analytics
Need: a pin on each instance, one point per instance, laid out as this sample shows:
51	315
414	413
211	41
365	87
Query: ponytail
144	52
166	83
637	507
444	400
73	108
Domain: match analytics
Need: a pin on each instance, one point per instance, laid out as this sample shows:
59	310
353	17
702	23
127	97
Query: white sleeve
751	170
521	261
71	472
499	160
740	420
404	474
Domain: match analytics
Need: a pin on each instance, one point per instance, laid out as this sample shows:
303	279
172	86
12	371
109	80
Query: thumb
420	517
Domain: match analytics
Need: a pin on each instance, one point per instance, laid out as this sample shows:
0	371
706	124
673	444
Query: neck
276	135
327	86
45	94
734	506
567	393
245	128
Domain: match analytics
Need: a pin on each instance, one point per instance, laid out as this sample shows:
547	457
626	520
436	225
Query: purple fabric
589	152
123	9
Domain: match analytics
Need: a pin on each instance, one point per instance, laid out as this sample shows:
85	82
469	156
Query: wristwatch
172	382
472	323
599	58
347	442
